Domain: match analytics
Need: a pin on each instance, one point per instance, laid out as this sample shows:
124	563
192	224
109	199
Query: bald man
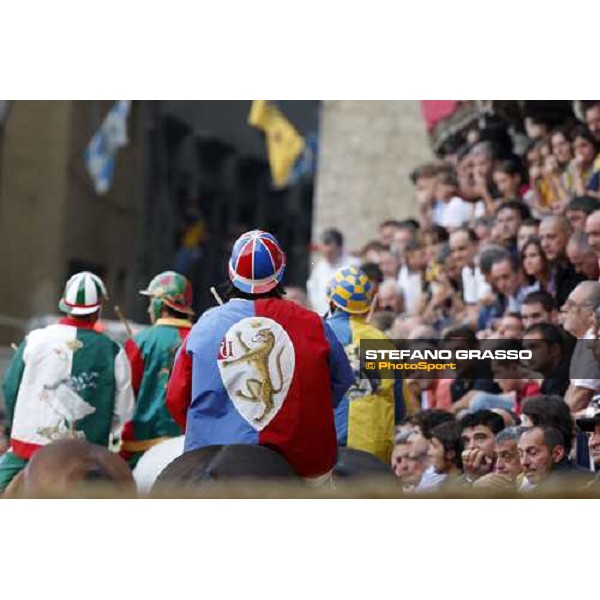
578	318
582	256
555	232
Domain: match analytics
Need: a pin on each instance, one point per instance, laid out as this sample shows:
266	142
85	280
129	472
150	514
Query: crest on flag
101	151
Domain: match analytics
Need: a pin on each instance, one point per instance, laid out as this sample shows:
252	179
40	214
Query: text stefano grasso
499	354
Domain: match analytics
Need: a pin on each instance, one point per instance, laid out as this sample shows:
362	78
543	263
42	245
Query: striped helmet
171	289
350	289
84	294
257	262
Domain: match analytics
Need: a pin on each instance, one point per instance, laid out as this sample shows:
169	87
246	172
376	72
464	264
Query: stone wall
367	150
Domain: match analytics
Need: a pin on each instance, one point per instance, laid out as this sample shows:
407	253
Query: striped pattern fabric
257	262
350	289
84	294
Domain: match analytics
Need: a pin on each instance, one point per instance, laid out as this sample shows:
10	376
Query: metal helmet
257	262
351	290
169	289
84	294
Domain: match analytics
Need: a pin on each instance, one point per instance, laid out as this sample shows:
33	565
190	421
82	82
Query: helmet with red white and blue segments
257	262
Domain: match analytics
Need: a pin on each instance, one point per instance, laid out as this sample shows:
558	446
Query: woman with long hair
535	265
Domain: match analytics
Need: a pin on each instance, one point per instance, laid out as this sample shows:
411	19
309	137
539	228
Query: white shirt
411	286
474	285
320	277
430	479
453	213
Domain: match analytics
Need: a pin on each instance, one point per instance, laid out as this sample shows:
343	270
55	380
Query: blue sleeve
339	367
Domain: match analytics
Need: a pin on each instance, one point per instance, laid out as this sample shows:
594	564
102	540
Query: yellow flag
284	143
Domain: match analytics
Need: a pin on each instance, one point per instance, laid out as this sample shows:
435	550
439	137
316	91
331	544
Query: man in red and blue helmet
151	354
260	369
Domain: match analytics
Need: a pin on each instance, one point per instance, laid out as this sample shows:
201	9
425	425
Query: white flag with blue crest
101	151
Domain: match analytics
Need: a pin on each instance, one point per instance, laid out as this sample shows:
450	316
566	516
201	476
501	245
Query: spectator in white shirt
463	245
333	259
450	210
410	277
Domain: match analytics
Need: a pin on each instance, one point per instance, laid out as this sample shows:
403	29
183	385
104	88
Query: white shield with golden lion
256	361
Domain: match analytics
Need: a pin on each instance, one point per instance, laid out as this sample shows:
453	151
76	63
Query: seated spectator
529	228
535	265
449	209
538	307
333	258
389	264
387	229
582	167
411	276
515	380
547	344
591	426
471	375
389	297
591	111
592	230
406	232
510	327
509	216
423	389
555	232
578	318
507	452
478	434
424	422
507	280
507	474
483	228
463	246
370	251
445	451
582	256
508	178
553	411
579	209
424	178
544	458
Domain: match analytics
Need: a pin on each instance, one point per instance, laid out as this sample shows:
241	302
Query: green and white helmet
84	294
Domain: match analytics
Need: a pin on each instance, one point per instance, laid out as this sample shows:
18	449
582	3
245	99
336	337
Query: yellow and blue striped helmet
351	290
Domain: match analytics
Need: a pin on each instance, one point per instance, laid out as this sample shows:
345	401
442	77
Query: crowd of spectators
502	247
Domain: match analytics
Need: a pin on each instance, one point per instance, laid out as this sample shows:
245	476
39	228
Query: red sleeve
137	364
179	389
